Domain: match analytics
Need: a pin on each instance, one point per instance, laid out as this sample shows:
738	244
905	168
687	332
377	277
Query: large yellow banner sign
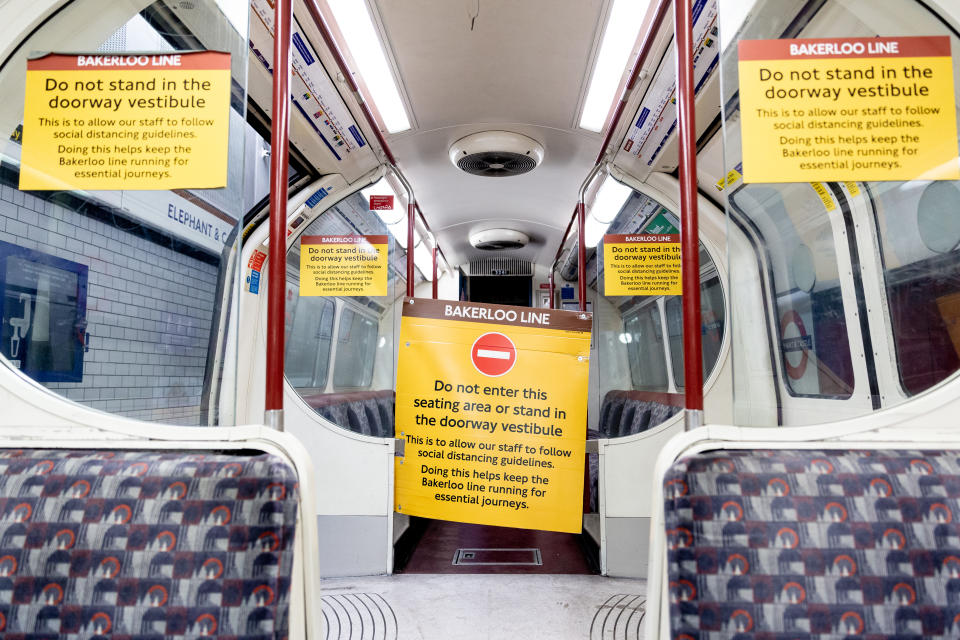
641	265
99	122
344	265
492	405
836	109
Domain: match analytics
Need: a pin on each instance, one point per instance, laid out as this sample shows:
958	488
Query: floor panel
483	607
452	547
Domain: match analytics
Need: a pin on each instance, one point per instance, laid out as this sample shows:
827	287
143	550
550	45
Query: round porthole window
938	216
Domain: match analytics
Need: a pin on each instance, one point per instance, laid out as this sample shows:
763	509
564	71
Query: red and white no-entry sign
795	340
493	354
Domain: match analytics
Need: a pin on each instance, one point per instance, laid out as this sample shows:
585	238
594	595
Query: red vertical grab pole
411	223
582	254
689	224
551	283
279	168
434	273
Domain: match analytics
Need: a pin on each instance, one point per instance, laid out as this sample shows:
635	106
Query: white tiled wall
149	310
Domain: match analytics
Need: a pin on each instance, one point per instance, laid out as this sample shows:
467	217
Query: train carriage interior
181	406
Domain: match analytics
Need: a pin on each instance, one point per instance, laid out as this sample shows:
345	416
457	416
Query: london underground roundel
493	354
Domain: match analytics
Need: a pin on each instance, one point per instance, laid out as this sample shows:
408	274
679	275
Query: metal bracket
274	418
692	419
399	447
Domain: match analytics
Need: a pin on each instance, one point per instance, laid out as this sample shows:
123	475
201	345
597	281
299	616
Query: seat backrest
626	419
371	410
357	419
614	417
385	409
366	412
605	407
625	412
640	422
135	543
811	543
660	413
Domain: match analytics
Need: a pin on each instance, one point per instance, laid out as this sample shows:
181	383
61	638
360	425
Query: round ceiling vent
499	239
496	154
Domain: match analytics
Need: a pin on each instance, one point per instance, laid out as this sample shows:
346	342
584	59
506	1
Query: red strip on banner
817	48
345	240
197	61
641	237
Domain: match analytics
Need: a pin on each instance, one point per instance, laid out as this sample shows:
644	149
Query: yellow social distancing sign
642	265
344	265
138	121
492	407
848	109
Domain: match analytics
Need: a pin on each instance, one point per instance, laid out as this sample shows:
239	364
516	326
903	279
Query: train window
919	238
112	298
643	335
712	319
341	349
356	341
640	339
309	338
795	230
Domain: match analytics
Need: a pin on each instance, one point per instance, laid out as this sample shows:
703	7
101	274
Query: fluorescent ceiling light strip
237	12
423	259
619	36
364	43
610	199
593	232
399	232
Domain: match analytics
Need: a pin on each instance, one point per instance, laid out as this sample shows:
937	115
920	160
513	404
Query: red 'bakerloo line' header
344	240
189	60
818	48
619	238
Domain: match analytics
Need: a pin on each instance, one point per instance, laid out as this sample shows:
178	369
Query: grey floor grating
619	618
358	616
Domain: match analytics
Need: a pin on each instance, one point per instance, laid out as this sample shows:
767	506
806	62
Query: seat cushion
814	543
145	543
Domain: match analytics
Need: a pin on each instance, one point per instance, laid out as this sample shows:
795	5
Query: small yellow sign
731	179
488	438
642	265
344	265
101	122
848	109
825	196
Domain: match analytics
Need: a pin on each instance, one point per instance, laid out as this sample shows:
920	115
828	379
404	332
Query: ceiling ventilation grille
498	239
496	154
500	267
496	164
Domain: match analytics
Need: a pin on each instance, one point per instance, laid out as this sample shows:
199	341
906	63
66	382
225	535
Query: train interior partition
817	303
860	275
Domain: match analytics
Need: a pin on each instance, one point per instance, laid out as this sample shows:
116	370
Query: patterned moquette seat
138	544
814	544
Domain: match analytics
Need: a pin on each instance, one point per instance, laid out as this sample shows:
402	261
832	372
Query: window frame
889	333
855	338
370	365
317	384
655	309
